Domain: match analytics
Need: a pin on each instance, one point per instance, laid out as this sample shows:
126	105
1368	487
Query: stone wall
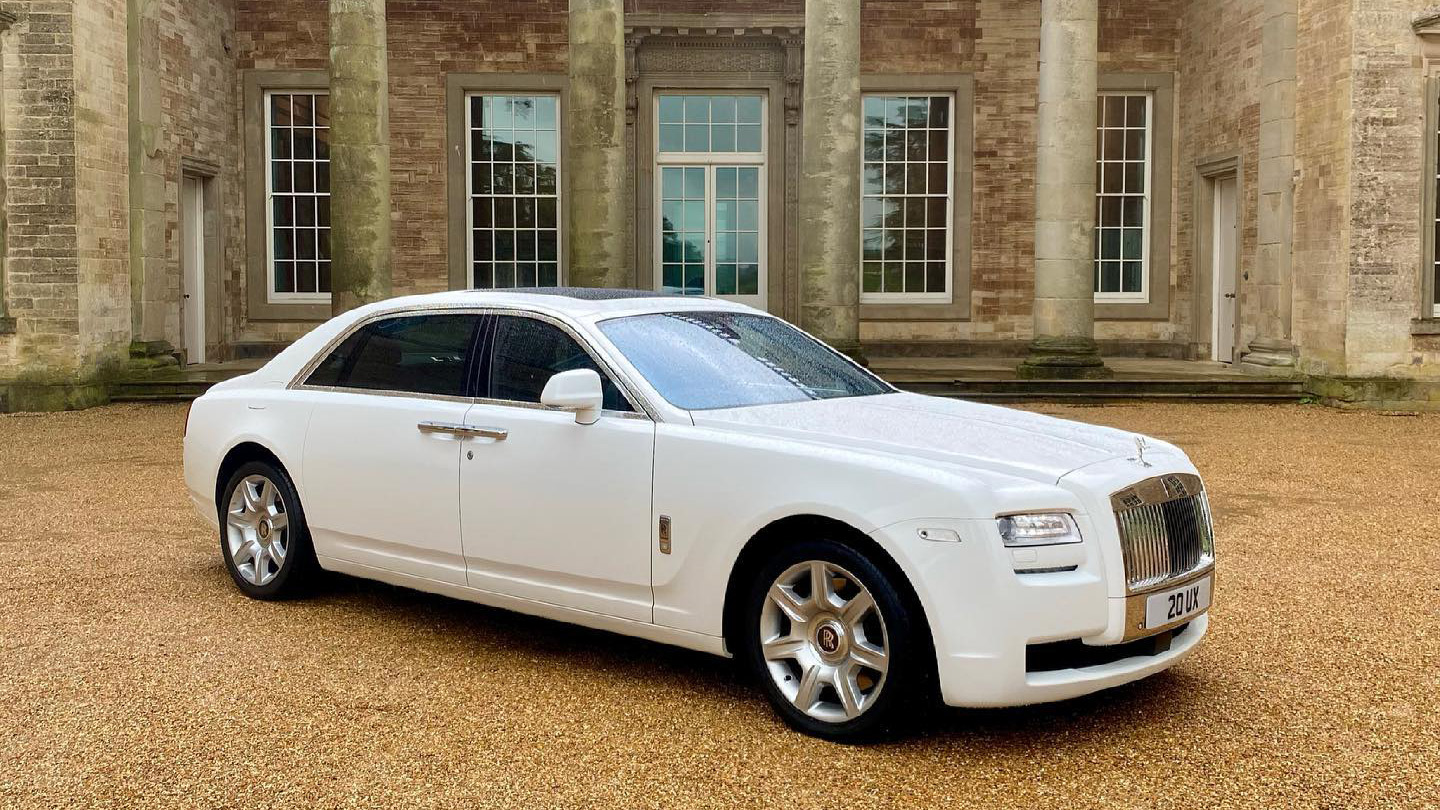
1218	105
42	276
194	48
1388	150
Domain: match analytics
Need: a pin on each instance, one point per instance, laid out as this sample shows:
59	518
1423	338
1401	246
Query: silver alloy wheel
257	529
824	641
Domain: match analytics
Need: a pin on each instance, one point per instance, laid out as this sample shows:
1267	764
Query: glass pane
749	283
697	109
748	109
725	278
694	183
722	109
423	354
672	109
707	360
528	352
747	138
672	138
697	137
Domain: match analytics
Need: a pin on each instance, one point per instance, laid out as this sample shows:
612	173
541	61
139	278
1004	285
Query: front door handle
498	434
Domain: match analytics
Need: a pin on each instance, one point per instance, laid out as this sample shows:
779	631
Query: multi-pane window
906	198
710	123
298	194
710	151
1122	196
514	190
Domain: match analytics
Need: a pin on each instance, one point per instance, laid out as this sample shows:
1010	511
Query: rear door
382	451
555	511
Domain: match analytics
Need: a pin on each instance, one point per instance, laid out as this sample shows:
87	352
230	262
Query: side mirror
579	391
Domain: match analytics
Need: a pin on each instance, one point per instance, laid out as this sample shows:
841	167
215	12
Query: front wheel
838	650
263	535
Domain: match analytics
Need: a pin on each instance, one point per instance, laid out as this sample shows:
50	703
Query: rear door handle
498	434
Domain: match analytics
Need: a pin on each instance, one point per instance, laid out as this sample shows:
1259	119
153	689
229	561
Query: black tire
295	573
908	684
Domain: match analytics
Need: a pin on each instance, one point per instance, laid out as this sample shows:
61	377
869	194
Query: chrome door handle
498	434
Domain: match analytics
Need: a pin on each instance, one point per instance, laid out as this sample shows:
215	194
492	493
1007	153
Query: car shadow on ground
1164	699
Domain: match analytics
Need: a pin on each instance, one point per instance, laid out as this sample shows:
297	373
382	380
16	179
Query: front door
1222	259
709	180
552	510
381	471
192	260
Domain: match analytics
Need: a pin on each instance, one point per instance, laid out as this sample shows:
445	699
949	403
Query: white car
703	474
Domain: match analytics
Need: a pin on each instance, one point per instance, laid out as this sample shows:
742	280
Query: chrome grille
1165	529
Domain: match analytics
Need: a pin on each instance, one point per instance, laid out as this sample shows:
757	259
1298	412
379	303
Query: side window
528	352
421	354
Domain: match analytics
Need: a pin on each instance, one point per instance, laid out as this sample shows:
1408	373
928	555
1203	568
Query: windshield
703	360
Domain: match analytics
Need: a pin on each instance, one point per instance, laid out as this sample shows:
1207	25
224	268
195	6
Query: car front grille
1165	529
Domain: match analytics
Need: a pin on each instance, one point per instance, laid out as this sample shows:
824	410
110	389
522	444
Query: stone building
1250	181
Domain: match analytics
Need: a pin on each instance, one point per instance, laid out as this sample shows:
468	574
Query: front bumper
984	615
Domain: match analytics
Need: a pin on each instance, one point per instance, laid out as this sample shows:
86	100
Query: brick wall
41	271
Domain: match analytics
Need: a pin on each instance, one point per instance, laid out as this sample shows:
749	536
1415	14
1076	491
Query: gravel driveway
133	674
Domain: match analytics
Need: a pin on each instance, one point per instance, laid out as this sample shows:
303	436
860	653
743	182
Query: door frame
212	240
1207	172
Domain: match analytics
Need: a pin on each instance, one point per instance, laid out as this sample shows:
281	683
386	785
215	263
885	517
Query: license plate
1177	604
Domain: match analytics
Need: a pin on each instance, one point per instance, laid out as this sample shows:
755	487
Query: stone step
1098	397
1136	387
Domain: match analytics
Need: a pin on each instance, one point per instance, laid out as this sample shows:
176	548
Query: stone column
359	154
599	206
1064	343
1271	352
830	174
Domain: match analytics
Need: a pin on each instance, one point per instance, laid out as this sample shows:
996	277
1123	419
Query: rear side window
528	352
419	354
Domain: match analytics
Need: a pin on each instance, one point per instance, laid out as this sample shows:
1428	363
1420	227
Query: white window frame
709	161
1147	205
469	95
270	294
948	295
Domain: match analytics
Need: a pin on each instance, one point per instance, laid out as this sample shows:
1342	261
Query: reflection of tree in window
515	189
905	202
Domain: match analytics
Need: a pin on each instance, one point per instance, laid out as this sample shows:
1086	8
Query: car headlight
1038	529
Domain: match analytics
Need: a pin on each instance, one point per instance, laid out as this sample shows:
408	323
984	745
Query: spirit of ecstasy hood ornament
1140	452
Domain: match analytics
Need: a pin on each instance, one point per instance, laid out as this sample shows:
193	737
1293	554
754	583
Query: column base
1272	357
1063	359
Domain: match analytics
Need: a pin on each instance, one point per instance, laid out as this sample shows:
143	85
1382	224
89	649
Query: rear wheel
263	535
837	649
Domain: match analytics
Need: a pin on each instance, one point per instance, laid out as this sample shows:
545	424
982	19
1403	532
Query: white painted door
192	261
1223	266
555	511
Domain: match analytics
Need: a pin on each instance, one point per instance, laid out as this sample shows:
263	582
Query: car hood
984	437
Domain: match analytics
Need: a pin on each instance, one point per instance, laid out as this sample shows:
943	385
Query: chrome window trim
642	408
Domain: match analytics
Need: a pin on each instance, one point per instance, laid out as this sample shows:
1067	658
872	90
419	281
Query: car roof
586	303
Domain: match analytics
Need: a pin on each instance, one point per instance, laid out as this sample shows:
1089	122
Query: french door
709	192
